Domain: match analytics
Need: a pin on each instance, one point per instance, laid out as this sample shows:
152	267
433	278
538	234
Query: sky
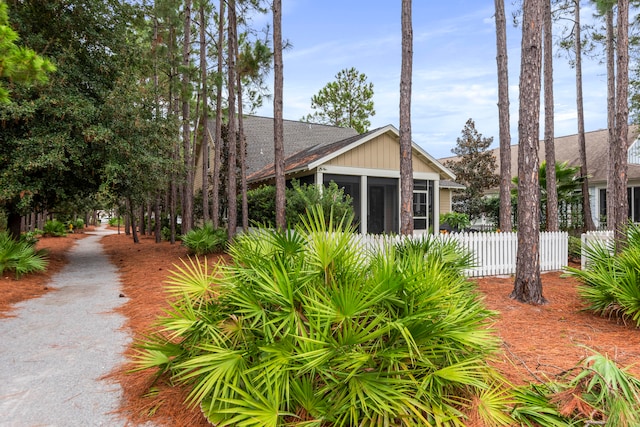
454	66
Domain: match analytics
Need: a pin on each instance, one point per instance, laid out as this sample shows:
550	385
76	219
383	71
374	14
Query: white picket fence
494	253
591	238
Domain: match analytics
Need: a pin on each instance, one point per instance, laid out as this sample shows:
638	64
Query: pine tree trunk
406	160
205	116
586	205
528	286
242	146
278	126
549	142
215	205
232	208
620	206
611	119
187	189
503	117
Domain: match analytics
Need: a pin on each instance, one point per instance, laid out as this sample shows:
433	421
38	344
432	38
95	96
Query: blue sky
454	66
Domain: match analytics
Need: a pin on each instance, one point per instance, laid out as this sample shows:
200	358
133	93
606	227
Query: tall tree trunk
611	118
132	222
205	116
232	208
586	204
528	286
503	117
215	205
242	146
406	160
14	223
158	227
549	143
278	125
187	189
620	205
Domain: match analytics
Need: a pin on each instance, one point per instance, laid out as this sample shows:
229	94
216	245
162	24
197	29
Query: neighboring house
597	150
366	166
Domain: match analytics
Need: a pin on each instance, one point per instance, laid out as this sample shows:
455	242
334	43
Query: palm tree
406	161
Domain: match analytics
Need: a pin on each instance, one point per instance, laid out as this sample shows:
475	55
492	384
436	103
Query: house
597	151
367	166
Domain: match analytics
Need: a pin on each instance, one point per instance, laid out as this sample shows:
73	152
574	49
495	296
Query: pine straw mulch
539	342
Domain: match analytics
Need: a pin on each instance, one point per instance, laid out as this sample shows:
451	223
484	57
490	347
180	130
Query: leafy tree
345	102
528	286
18	64
475	169
54	140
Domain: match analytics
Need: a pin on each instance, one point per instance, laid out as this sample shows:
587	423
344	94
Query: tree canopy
18	64
345	102
474	168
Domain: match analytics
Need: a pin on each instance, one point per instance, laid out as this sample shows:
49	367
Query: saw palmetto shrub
306	328
55	228
20	256
610	283
595	392
205	240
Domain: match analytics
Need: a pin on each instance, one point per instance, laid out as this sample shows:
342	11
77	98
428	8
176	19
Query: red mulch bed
539	342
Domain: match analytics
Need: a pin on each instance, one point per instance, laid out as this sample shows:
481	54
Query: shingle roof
306	156
297	136
566	148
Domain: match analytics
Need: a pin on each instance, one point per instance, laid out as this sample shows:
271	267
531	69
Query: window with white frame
420	204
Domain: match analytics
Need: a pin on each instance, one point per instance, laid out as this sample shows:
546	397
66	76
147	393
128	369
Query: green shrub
575	248
595	392
116	221
611	282
306	328
299	199
456	220
205	240
55	228
78	224
20	256
31	237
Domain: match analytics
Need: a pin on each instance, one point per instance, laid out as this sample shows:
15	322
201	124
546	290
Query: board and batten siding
445	201
382	152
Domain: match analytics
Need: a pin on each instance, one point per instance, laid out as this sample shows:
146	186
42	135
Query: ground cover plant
303	328
610	281
20	256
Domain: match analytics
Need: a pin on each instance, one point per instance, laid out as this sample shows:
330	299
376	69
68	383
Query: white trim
380	173
377	133
364	201
436	207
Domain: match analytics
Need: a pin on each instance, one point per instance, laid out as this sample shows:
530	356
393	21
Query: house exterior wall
379	153
445	201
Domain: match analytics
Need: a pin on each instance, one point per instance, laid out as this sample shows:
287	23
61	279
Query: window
421	204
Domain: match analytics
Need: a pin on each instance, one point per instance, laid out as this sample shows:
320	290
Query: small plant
31	237
456	220
205	240
19	256
595	392
575	248
611	282
55	228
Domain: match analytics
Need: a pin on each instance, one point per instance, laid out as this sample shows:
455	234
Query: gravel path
55	351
